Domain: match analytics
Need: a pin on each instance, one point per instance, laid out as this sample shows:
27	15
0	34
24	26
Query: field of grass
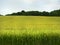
29	30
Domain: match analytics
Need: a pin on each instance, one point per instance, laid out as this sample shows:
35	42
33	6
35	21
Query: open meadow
29	30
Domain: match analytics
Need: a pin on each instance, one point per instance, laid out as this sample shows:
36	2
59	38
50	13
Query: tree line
36	13
0	15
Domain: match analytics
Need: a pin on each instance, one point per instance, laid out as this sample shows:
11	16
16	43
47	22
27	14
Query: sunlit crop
29	30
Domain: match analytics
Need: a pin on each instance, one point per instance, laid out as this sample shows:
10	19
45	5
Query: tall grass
30	39
30	30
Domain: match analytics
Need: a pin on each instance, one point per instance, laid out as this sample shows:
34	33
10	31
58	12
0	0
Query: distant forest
35	13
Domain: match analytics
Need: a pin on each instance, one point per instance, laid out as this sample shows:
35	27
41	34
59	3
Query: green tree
36	13
44	13
55	13
0	15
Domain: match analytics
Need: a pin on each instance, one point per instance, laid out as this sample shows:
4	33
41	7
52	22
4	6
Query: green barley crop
30	30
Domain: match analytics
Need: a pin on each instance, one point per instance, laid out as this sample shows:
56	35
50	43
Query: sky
10	6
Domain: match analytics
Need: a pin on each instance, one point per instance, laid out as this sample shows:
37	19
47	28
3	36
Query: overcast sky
10	6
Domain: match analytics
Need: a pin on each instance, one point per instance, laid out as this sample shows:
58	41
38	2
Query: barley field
29	30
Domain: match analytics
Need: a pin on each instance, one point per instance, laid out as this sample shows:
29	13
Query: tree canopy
36	13
0	15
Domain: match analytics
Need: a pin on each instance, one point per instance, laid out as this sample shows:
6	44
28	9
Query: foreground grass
15	30
26	37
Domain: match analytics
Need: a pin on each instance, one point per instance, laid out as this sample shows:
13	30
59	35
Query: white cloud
6	11
28	1
10	6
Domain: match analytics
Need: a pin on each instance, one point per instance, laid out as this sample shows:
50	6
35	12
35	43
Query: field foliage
29	30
